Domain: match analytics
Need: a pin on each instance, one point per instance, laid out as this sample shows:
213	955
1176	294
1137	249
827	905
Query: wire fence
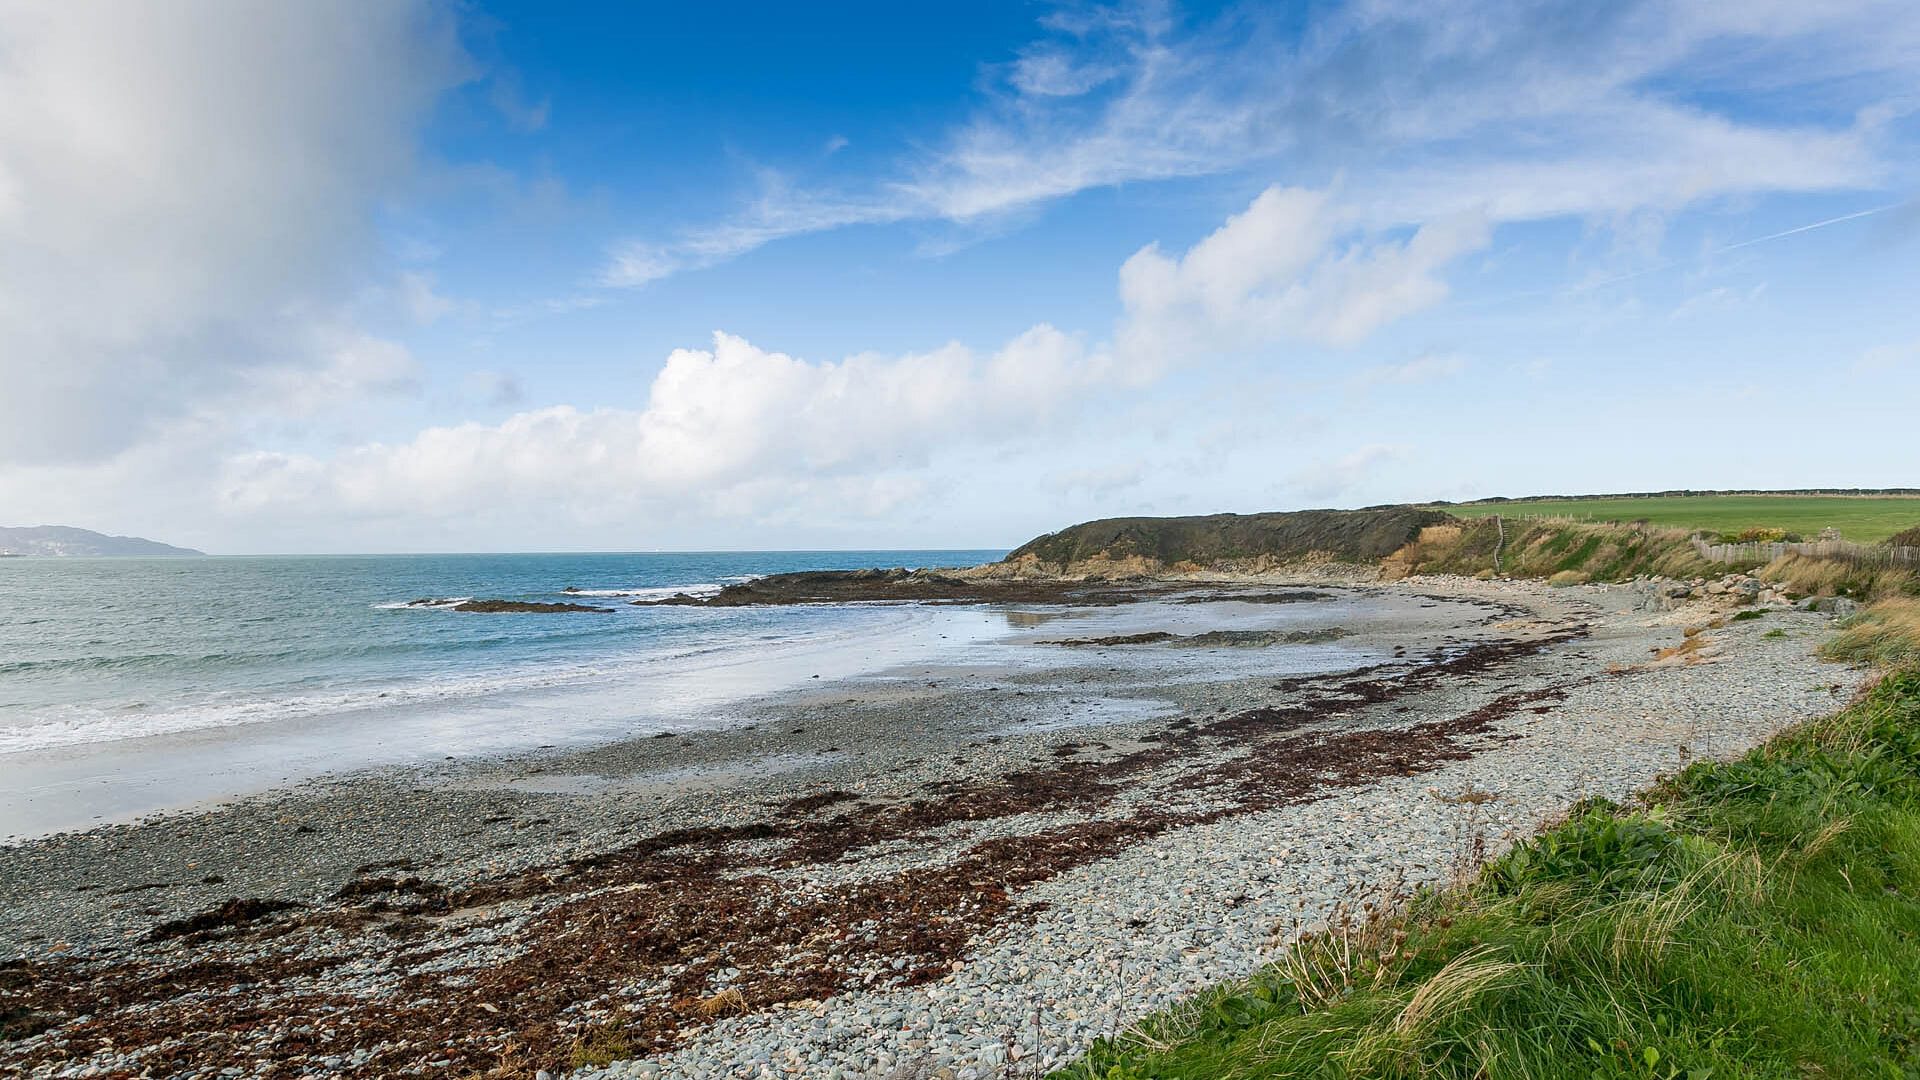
1840	550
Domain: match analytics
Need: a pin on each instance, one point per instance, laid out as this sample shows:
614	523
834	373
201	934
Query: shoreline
1014	845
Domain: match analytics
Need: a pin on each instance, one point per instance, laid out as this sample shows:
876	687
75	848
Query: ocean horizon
99	649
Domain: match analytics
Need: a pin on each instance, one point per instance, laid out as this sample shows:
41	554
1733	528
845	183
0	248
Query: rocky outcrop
979	585
506	607
1727	592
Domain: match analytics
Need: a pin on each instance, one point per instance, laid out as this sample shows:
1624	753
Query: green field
1865	519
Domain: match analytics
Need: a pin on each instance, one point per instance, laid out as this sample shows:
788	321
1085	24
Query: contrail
1806	228
1672	263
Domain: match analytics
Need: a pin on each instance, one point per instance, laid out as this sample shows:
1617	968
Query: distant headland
67	540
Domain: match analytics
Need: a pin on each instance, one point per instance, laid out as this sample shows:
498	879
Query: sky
326	276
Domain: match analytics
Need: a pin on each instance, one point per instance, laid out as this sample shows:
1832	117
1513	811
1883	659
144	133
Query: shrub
1754	536
1598	844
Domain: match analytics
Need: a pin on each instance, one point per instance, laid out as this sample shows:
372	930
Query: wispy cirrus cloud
1446	108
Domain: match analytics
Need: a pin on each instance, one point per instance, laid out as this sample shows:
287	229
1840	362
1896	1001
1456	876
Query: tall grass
1547	547
1810	576
1759	918
1886	634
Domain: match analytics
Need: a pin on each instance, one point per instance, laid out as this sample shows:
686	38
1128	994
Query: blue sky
422	276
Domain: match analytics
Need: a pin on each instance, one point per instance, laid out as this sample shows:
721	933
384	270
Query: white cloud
734	428
1331	479
495	389
1098	482
510	100
1884	358
417	295
1420	369
1455	106
778	212
339	366
185	192
1289	266
1720	298
1049	73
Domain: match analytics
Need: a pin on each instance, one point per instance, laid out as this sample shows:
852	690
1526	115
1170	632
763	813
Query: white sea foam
77	725
659	592
436	604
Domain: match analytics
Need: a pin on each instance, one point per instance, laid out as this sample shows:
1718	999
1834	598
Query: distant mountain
66	540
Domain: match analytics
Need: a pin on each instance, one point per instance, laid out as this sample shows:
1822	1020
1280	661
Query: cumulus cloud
185	192
734	427
1289	266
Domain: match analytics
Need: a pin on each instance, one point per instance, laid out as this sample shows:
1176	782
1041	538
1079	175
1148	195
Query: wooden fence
1841	550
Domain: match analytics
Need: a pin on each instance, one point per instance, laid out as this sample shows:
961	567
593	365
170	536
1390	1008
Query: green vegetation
1865	519
1226	539
1561	551
1886	634
1750	613
600	1046
1759	918
1806	576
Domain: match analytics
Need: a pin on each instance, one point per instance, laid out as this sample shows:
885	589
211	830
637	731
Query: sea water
102	650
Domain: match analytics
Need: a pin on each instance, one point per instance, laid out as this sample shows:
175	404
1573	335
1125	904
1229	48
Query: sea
98	650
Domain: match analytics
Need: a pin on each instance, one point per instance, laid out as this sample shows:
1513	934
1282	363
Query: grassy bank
1758	918
1864	519
1886	634
1549	548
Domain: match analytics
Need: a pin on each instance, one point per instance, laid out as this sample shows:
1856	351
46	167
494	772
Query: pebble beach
964	872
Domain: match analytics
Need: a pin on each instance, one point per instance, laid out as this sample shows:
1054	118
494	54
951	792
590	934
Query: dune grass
1866	519
1759	918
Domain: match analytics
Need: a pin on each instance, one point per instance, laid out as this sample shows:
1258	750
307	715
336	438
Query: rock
499	607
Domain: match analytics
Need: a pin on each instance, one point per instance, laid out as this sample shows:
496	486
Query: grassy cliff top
1351	535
